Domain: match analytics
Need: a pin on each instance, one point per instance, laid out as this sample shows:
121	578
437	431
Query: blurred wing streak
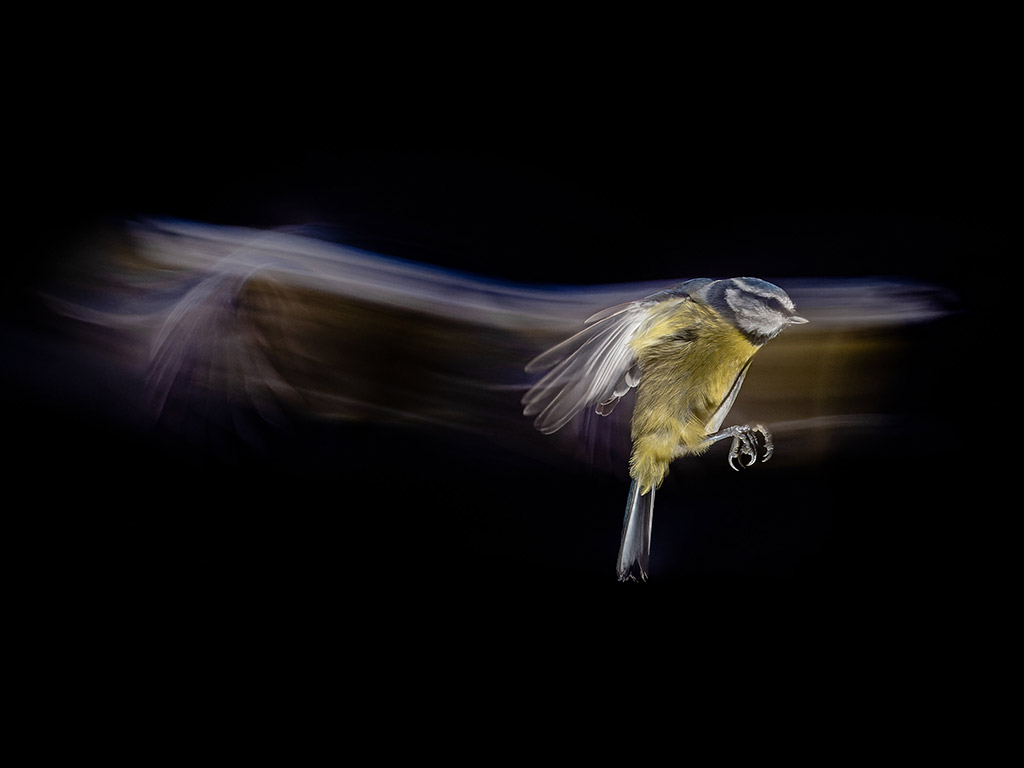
263	318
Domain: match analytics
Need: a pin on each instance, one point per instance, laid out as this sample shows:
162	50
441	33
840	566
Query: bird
685	350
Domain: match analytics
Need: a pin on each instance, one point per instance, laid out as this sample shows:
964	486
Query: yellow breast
689	357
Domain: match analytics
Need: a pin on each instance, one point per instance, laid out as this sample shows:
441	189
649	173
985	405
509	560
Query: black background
545	154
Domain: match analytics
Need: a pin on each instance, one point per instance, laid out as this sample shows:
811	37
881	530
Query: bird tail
636	533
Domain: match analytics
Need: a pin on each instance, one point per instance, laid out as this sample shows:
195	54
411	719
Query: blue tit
686	350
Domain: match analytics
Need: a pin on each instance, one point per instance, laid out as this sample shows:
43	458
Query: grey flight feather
593	367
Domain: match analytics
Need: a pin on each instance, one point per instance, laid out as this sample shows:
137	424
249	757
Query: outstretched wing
595	367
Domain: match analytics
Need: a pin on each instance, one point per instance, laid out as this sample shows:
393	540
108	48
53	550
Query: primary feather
590	368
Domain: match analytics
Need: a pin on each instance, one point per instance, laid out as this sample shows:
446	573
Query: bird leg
744	444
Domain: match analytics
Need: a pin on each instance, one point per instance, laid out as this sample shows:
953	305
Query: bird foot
744	445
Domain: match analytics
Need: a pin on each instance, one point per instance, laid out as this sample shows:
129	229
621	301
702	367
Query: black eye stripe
771	302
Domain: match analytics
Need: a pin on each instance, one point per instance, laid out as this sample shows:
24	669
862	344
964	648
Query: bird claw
744	444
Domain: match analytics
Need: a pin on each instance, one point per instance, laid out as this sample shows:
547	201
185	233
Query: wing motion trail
594	367
202	319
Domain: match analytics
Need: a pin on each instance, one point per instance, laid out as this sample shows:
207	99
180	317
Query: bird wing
723	410
597	366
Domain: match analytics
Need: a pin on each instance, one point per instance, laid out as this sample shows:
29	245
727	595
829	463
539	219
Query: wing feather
592	368
723	410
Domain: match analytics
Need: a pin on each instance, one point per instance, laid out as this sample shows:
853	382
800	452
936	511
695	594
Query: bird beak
797	320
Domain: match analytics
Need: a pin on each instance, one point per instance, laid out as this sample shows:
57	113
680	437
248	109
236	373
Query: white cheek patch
744	305
752	315
765	290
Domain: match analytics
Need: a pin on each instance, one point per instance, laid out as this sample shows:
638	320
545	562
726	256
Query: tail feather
635	548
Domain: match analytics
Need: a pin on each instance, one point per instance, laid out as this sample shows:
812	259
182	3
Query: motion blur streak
199	318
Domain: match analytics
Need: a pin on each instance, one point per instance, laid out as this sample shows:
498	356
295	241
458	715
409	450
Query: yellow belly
689	360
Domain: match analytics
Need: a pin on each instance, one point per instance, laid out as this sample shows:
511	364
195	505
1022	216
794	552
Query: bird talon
769	447
744	444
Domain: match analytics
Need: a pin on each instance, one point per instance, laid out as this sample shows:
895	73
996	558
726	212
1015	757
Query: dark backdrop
605	165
